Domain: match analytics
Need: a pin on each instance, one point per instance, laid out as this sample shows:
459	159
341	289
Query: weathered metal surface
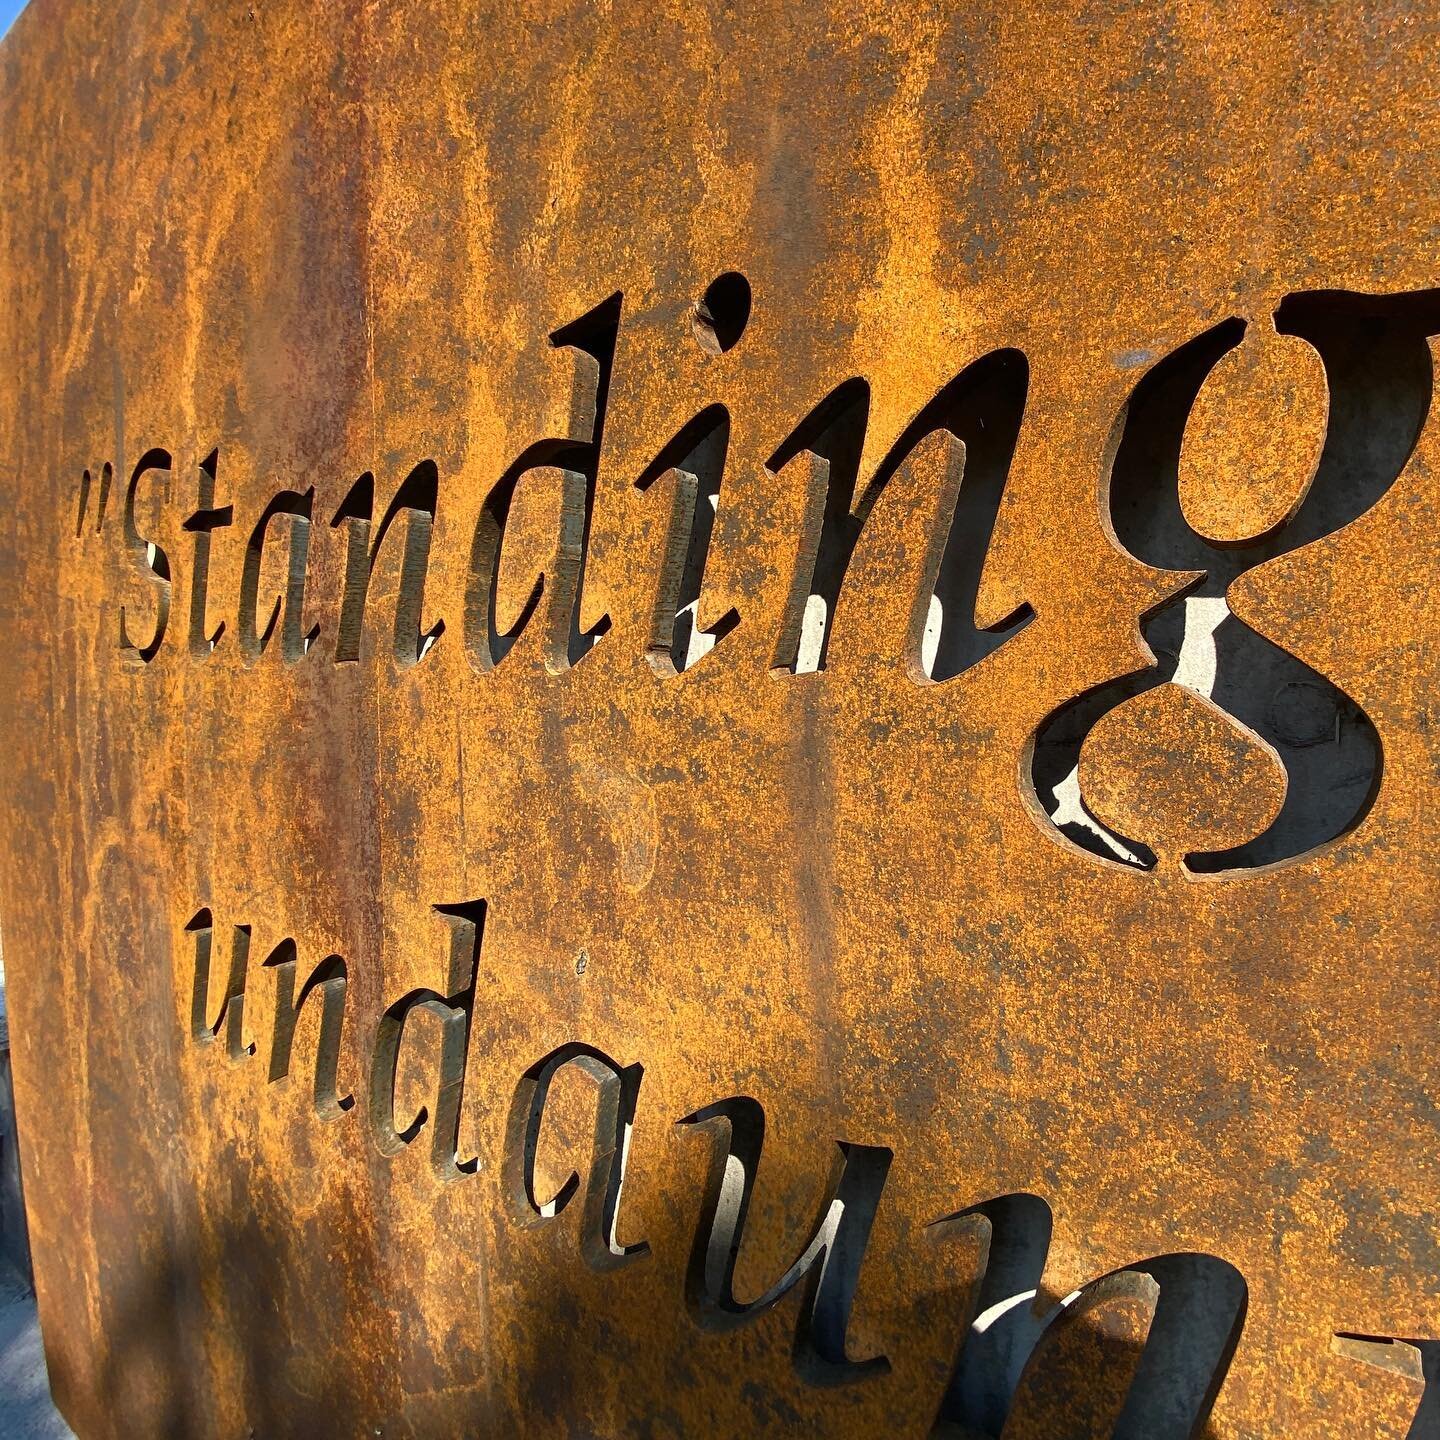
250	253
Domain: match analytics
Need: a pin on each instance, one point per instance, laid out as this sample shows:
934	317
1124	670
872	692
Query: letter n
329	979
1199	1309
417	497
981	410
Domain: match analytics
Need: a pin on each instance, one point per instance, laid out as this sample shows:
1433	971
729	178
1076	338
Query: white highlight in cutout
699	645
732	1187
1196	664
930	640
616	1248
999	1310
1195	669
1070	810
812	636
727	1210
825	1237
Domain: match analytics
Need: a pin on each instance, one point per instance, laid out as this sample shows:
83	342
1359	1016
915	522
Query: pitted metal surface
722	721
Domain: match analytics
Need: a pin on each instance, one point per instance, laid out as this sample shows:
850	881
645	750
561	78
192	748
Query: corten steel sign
723	720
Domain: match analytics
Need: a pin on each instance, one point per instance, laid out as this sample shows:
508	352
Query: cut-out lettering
1418	1361
416	499
83	504
693	467
232	1007
722	313
485	643
86	489
982	409
107	478
150	561
295	640
592	338
328	979
455	1013
207	518
829	1265
1199	1300
1013	1348
576	462
617	1088
1378	367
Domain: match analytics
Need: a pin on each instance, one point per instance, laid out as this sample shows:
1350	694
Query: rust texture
701	703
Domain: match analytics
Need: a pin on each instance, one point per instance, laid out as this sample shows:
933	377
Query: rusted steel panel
722	720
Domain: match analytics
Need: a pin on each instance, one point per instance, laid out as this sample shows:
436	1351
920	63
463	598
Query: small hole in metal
722	313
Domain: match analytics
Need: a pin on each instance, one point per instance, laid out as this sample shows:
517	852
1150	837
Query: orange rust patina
701	704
